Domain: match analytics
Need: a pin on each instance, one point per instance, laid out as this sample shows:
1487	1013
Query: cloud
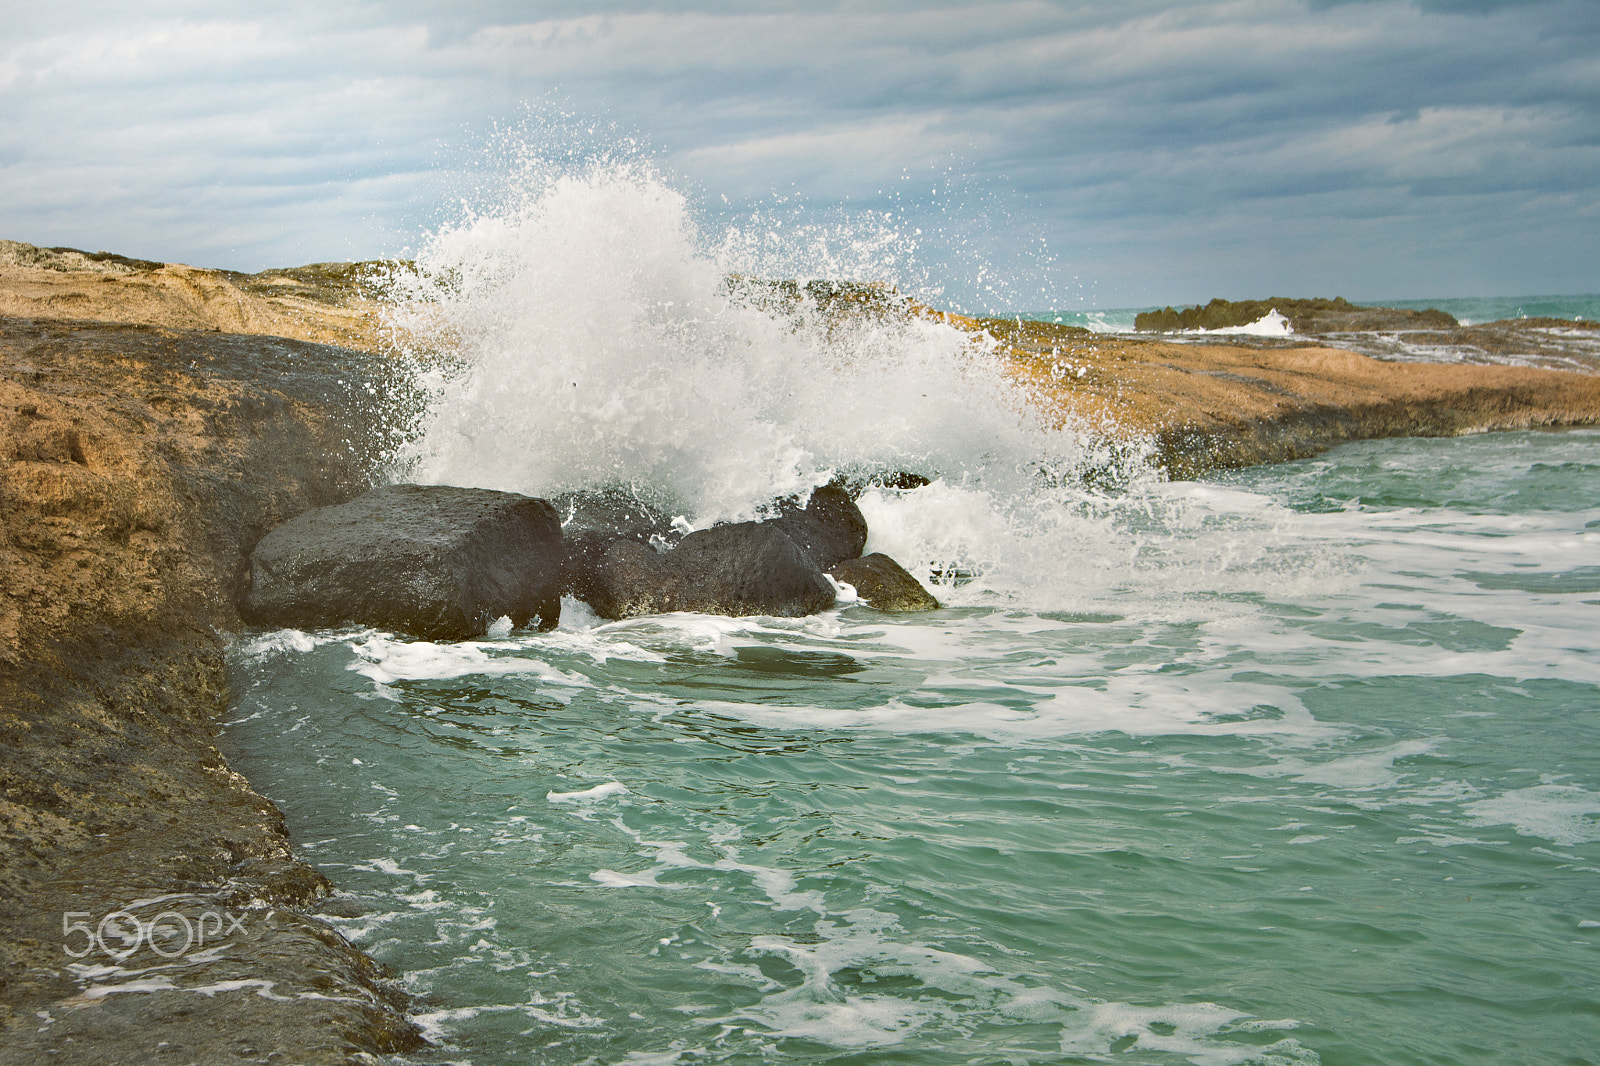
1164	148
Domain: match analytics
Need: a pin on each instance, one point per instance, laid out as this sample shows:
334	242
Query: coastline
141	465
160	422
1222	406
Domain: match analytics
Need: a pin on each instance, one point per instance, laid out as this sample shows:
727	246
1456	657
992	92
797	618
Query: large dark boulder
591	522
739	569
433	560
884	584
828	529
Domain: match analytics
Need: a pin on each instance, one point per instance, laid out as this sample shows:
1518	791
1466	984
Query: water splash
584	331
594	336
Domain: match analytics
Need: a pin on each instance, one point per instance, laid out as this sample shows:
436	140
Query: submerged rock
434	560
739	569
884	584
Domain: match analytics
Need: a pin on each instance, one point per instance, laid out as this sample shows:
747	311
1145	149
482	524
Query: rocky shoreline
140	466
159	420
1207	406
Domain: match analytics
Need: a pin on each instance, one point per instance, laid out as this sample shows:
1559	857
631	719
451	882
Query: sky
1113	153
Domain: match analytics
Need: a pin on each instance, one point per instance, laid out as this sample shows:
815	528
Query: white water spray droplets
583	333
596	338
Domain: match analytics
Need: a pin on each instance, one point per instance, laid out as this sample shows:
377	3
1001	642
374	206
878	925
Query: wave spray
584	332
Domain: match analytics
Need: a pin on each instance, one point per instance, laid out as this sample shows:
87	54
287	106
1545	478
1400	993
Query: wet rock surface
884	584
432	560
743	568
625	558
1547	343
828	529
591	522
137	466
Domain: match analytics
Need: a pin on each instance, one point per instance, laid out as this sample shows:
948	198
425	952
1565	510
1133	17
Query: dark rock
884	584
434	560
631	579
829	529
591	522
901	480
858	482
1305	316
739	569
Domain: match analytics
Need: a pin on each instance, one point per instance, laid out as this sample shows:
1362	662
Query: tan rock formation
1207	406
137	466
323	302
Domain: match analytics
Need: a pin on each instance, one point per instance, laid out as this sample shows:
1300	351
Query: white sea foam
588	795
584	333
1271	324
284	642
1564	814
386	659
595	338
1197	1031
823	1009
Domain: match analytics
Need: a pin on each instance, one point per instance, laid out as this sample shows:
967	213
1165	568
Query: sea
1294	764
1467	310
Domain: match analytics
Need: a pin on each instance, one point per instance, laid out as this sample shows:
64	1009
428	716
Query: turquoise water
1468	310
1474	310
1296	765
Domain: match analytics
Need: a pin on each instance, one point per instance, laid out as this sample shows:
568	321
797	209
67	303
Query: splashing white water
597	340
583	333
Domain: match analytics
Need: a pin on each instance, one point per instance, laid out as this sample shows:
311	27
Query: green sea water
1299	764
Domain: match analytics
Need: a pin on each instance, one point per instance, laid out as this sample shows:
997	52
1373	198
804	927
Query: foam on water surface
985	829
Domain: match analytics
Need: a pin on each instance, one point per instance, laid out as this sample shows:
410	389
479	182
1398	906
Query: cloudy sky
1106	153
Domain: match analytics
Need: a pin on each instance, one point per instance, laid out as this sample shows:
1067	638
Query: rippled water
1305	770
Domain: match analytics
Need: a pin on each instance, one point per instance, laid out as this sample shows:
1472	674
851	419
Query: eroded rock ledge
1214	406
137	467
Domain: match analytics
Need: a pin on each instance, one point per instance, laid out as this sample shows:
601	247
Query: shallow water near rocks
1301	766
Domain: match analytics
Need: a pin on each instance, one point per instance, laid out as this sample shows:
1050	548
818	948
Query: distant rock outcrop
434	560
1305	316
